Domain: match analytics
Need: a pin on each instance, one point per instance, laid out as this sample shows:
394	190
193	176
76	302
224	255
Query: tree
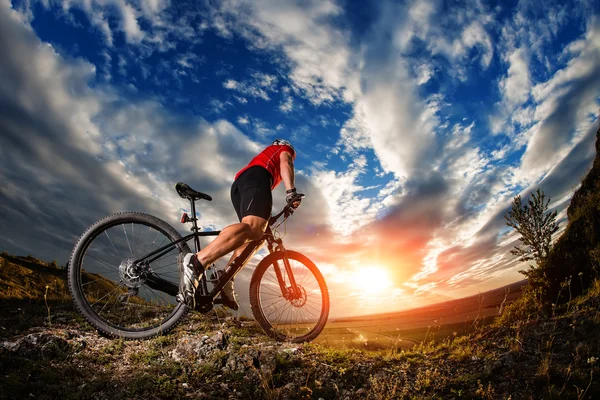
536	226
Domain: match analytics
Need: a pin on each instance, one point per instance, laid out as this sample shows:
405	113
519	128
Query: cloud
100	12
316	53
526	45
486	254
412	182
465	246
475	36
354	136
424	73
152	8
348	211
325	67
401	236
287	104
391	117
129	22
516	86
258	87
257	127
564	103
92	152
190	60
146	25
451	32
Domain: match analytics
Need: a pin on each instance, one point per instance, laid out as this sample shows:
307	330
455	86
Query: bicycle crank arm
158	283
203	303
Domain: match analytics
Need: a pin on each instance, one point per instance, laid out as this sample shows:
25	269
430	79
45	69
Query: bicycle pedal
215	275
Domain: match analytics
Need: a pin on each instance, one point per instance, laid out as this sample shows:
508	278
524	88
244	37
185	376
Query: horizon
415	123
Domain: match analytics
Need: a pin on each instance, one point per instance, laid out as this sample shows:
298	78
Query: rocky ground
55	354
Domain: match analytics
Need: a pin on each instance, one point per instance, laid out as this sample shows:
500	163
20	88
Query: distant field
26	279
404	329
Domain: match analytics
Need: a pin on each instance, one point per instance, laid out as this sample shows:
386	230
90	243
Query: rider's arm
287	169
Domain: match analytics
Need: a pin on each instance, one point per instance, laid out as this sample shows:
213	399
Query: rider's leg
252	200
231	238
236	254
228	297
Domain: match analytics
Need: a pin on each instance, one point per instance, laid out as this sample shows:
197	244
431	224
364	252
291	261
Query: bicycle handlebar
288	209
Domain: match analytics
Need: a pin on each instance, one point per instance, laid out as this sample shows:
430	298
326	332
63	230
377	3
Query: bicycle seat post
195	228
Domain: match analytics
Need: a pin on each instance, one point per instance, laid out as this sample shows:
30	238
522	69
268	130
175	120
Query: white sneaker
190	271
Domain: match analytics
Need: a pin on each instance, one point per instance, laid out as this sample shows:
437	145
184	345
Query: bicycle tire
259	312
75	276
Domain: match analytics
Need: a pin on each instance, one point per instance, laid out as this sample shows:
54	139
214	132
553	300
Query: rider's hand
292	195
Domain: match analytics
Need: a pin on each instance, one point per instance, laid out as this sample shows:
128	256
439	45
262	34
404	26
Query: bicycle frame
204	298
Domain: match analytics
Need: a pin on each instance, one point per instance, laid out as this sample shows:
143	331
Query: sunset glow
371	280
415	122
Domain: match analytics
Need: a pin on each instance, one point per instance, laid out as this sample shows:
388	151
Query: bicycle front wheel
118	295
286	313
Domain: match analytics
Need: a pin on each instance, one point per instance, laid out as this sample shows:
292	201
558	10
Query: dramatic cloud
78	153
416	123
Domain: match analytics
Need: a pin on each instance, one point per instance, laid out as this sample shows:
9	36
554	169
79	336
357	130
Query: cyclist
252	199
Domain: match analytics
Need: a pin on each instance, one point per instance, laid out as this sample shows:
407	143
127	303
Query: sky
415	123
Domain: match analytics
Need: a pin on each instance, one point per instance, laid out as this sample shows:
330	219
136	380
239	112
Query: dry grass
530	356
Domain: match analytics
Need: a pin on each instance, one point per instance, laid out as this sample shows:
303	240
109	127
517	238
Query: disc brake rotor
298	301
131	274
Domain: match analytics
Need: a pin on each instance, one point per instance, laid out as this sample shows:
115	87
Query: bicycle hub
131	273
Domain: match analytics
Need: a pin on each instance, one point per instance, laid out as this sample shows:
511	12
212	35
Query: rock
242	361
39	344
202	349
293	350
263	358
10	346
290	390
491	366
508	360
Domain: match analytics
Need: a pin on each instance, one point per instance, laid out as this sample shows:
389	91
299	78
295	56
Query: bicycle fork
293	291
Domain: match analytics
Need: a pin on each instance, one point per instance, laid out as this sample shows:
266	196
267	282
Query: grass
523	354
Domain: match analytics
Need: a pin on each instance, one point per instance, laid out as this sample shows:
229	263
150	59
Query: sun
371	280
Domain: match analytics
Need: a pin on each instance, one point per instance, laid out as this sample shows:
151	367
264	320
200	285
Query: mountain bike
123	277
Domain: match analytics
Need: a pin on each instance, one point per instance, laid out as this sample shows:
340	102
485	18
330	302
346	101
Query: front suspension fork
293	291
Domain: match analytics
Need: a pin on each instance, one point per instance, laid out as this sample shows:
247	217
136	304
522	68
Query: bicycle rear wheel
117	296
282	315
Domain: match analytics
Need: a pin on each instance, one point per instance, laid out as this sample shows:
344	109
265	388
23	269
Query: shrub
535	224
529	306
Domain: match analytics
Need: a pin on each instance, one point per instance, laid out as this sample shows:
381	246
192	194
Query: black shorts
251	193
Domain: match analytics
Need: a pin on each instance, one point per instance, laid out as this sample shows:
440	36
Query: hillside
26	278
575	256
220	356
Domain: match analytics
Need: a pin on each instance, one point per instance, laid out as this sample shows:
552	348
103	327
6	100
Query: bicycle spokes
122	291
296	309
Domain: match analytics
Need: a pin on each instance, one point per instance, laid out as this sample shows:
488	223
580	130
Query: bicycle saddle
186	192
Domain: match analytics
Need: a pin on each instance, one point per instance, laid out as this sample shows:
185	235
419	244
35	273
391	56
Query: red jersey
269	159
